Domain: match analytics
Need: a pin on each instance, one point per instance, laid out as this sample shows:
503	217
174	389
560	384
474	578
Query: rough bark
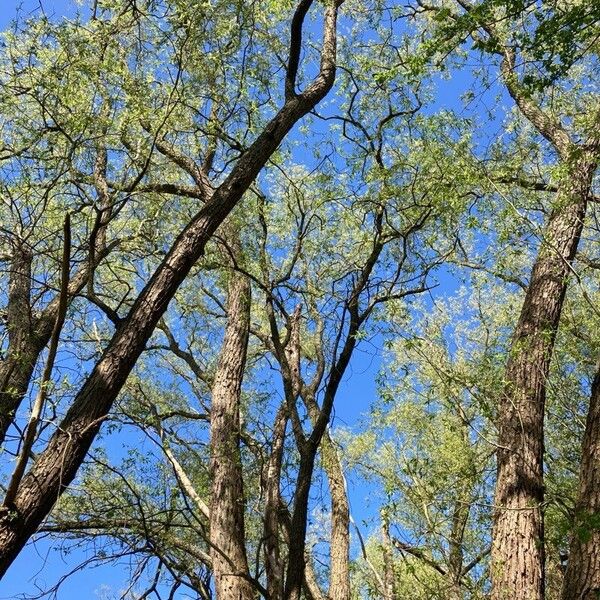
582	577
312	590
518	564
23	348
518	561
518	538
339	572
273	501
227	532
38	406
58	464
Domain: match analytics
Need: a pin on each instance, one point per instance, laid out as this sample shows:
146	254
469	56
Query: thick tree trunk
227	537
582	577
57	465
518	539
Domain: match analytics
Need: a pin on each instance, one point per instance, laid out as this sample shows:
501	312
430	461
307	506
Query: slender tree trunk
15	374
460	518
339	544
389	591
29	334
582	577
308	448
312	590
339	573
274	567
297	556
518	539
227	532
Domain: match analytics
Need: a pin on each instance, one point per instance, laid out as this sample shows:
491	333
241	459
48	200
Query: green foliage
436	206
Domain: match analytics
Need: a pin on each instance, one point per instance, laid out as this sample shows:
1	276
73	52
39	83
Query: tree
57	465
185	270
581	552
521	39
581	577
428	447
316	309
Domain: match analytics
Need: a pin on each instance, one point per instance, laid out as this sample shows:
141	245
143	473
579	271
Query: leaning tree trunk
582	577
58	464
227	537
518	538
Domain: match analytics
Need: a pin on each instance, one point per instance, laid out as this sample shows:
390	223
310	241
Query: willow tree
323	251
552	87
181	35
309	330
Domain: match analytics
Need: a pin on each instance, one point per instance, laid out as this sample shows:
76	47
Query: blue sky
41	565
52	8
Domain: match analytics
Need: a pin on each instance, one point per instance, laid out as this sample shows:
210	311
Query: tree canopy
299	300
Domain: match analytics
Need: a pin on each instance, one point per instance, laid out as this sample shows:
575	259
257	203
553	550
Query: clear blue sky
52	8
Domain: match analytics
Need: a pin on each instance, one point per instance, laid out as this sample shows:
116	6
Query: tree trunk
29	334
16	370
460	518
227	532
339	544
339	573
389	591
518	539
274	568
582	577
